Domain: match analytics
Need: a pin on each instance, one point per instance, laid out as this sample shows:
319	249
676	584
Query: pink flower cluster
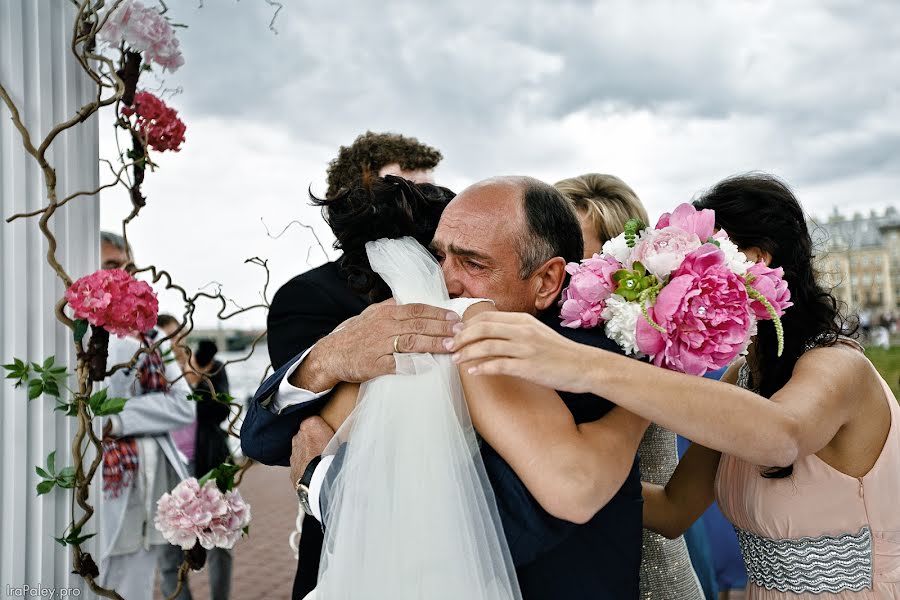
158	123
114	300
694	284
146	31
705	312
590	285
191	514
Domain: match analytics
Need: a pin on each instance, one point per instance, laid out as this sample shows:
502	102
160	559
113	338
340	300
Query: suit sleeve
302	312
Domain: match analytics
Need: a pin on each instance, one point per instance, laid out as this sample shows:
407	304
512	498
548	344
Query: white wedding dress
411	514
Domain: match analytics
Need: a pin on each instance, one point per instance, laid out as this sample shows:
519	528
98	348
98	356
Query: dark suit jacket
553	558
304	309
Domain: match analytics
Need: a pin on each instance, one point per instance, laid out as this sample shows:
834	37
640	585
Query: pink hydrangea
662	250
705	313
114	300
144	30
158	122
192	514
702	223
590	285
771	284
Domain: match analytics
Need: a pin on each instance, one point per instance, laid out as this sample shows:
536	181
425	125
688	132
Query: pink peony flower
114	300
662	250
686	217
771	284
158	123
143	30
705	313
191	514
589	287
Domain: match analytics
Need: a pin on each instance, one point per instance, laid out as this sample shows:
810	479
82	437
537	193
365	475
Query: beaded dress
666	570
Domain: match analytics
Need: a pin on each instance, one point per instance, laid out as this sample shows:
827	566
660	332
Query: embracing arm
670	510
571	470
800	419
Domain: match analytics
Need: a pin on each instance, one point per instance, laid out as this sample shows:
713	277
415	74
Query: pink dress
818	534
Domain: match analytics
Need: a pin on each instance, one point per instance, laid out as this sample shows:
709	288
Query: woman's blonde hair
608	201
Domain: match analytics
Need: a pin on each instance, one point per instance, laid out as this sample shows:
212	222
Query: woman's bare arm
572	470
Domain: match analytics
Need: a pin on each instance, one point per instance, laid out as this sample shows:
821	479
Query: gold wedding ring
396	343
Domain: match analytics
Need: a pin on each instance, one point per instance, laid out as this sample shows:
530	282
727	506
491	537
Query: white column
48	86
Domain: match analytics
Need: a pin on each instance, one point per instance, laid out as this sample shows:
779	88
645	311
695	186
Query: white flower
621	323
618	249
736	260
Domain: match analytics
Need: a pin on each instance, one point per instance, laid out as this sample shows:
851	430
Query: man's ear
548	281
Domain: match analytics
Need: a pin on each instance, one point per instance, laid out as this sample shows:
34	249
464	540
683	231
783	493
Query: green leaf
51	388
66	478
45	486
246	530
42	473
48	362
38	368
112	406
97	400
60	541
81	539
81	327
35	388
51	462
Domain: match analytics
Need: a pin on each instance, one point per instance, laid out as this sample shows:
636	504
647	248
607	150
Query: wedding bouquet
680	293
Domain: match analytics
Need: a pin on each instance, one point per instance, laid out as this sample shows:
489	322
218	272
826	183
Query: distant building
859	257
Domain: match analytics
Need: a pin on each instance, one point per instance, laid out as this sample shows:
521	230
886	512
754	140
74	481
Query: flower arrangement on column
116	43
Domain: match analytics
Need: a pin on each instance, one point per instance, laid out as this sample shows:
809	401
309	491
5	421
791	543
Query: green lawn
888	364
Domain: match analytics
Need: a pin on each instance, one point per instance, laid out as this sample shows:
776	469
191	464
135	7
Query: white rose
618	249
621	323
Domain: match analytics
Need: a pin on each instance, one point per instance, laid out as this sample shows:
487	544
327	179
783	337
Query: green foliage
38	379
64	479
81	327
223	476
74	537
18	370
101	405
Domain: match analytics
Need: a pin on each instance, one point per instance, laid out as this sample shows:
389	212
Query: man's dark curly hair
375	208
371	151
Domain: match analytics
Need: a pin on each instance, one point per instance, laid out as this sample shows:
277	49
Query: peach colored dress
818	534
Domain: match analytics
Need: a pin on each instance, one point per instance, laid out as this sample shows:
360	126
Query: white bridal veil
411	514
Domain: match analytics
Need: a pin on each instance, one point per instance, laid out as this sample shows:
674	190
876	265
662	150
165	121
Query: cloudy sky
669	96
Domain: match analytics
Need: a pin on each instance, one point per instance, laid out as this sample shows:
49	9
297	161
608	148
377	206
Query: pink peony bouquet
145	30
681	293
157	122
194	513
114	300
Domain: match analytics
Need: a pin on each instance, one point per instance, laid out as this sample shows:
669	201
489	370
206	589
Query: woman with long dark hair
803	453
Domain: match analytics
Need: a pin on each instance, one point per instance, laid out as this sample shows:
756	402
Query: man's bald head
500	234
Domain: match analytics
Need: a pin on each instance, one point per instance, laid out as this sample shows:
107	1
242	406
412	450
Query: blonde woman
604	204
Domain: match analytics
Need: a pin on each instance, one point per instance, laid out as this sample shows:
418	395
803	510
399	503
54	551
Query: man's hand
364	348
309	442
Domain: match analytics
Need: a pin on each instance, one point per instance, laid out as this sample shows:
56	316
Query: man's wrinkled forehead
482	215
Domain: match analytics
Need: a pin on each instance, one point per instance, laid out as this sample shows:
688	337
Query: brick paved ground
264	563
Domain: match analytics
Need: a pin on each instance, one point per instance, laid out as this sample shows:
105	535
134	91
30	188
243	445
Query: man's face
112	257
417	176
476	242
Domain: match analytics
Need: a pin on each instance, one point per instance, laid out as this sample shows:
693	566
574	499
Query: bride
411	473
